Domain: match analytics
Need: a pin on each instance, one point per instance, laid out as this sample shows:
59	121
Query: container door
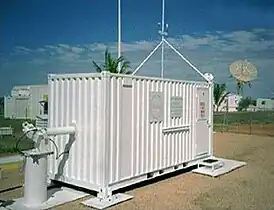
202	125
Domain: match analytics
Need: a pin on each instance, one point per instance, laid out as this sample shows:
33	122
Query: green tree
245	103
253	102
219	94
111	64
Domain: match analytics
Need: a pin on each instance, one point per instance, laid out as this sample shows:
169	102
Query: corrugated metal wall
116	139
78	99
147	148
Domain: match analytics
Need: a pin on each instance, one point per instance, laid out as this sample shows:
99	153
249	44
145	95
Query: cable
65	152
35	130
20	139
56	147
57	151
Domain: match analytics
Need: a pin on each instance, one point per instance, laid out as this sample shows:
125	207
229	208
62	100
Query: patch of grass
245	117
8	143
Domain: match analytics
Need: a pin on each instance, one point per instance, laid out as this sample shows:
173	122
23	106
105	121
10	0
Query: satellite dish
243	70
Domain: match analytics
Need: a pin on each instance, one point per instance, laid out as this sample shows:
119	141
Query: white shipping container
129	128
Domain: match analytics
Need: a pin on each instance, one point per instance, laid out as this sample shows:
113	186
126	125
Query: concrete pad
228	166
57	196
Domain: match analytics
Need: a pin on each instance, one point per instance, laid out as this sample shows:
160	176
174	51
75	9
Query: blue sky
42	37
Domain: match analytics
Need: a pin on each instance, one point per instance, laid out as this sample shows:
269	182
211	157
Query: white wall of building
8	107
24	101
265	104
230	103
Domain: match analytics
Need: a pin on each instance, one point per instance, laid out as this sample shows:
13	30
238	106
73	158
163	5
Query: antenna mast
163	33
119	34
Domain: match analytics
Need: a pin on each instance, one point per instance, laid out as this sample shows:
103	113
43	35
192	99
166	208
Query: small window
263	102
46	108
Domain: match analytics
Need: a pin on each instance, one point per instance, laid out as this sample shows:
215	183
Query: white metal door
202	125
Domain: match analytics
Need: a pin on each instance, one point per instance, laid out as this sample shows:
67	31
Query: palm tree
111	64
219	94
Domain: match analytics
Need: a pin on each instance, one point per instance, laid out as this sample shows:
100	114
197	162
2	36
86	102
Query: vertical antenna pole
119	33
162	33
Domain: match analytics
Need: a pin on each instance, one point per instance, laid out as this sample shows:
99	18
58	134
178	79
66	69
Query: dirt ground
255	129
247	188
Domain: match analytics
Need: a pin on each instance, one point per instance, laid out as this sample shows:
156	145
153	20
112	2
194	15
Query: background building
23	103
265	104
230	103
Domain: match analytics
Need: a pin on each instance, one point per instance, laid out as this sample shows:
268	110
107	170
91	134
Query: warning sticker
202	109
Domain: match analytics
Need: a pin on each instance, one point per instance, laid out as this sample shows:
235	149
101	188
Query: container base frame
108	202
100	203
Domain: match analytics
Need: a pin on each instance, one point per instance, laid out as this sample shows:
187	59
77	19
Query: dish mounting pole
163	32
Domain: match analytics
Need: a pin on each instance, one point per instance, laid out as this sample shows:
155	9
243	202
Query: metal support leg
104	193
105	199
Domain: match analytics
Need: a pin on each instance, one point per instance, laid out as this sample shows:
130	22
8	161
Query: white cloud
78	50
241	36
41	50
190	42
21	49
65	46
211	52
